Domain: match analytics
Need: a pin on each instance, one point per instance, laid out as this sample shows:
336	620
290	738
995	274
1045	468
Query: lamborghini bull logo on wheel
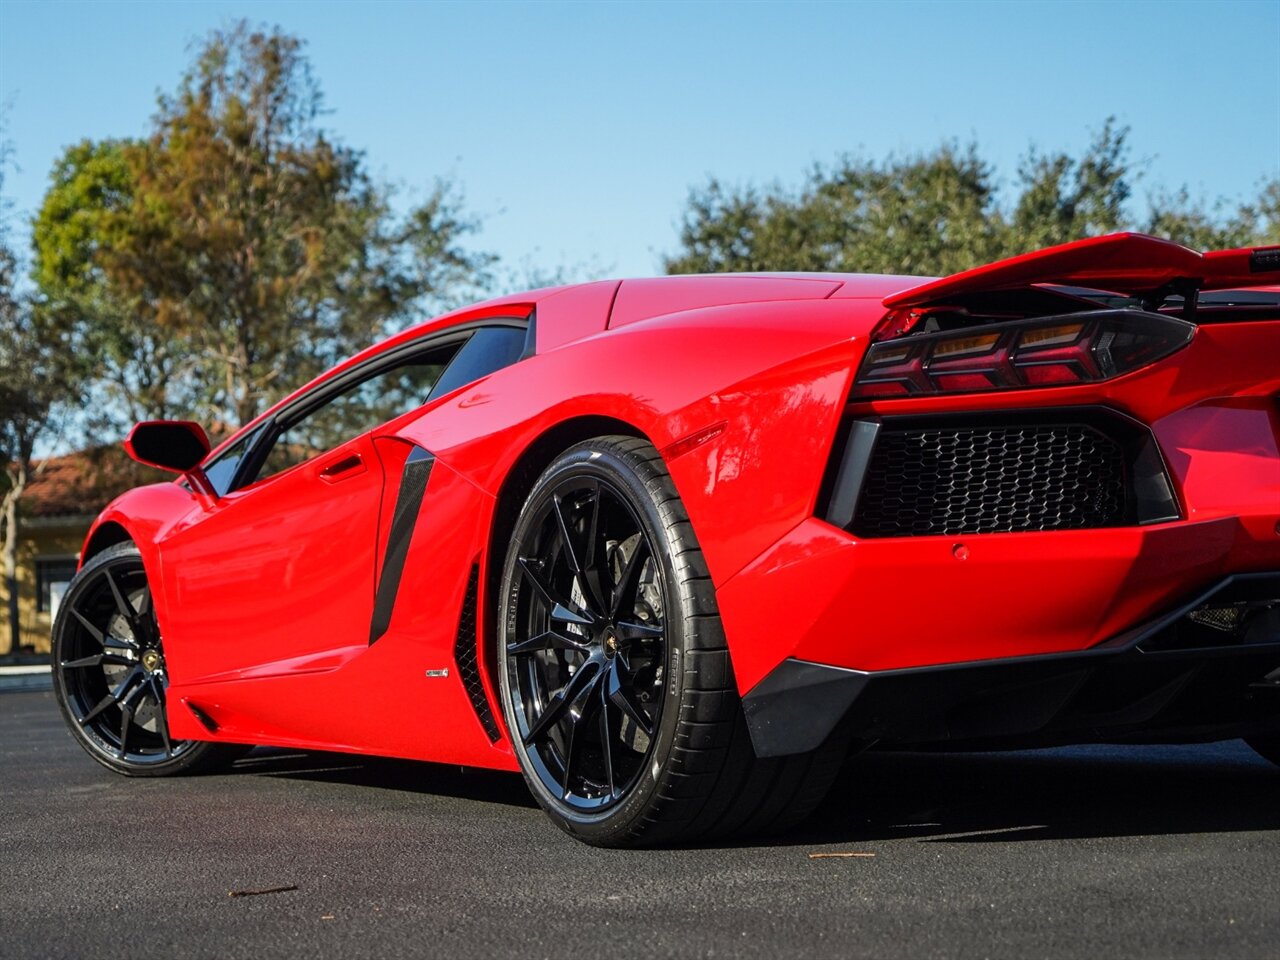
673	549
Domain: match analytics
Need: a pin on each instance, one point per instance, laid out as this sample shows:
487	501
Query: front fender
145	514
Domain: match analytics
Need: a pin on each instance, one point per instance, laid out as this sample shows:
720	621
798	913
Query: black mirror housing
174	445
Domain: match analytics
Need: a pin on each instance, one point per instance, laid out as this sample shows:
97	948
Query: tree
32	389
1064	199
136	369
29	393
939	213
1183	220
930	213
237	250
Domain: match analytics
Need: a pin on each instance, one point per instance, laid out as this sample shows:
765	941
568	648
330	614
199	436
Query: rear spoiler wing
1127	263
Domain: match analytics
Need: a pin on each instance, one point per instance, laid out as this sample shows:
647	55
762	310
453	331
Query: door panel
278	577
272	586
410	679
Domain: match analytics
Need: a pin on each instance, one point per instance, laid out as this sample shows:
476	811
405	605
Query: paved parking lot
1065	853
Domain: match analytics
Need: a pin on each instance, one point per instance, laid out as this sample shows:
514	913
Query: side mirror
174	445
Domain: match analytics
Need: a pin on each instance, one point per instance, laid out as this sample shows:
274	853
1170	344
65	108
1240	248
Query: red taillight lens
1041	352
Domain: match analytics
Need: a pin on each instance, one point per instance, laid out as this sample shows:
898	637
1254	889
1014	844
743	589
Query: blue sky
576	129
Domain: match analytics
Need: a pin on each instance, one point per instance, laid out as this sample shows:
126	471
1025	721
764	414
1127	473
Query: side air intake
465	653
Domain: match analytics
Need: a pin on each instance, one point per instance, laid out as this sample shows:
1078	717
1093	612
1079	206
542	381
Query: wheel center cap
151	660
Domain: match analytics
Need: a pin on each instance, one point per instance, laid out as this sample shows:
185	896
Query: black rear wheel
587	658
110	675
615	676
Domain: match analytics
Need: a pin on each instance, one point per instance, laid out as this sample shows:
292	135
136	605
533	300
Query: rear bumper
898	607
1166	680
825	595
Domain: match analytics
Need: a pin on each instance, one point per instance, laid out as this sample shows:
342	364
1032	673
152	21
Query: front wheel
110	676
615	676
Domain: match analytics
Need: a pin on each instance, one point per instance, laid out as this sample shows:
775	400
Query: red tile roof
82	483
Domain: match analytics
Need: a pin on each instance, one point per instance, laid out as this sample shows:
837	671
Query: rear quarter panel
768	380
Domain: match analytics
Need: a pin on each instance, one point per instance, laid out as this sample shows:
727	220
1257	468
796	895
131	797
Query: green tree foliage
142	370
939	213
930	212
1186	221
238	249
1064	199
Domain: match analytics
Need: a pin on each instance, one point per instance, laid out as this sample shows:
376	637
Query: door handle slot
341	469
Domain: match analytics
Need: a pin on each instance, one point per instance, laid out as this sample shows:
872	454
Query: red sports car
673	548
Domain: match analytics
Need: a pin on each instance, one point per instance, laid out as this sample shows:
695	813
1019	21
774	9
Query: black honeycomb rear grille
953	479
465	653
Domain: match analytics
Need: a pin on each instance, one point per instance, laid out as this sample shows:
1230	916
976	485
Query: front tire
615	677
109	674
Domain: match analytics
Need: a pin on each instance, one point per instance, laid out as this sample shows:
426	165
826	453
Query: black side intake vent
1072	469
465	652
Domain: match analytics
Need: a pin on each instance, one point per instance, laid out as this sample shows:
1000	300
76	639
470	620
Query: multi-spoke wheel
615	678
586	664
110	674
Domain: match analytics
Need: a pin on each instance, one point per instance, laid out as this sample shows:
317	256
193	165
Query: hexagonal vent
991	479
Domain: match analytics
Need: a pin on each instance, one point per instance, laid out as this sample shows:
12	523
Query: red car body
744	384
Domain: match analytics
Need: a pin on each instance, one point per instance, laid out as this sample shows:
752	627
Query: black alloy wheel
616	683
585	663
110	675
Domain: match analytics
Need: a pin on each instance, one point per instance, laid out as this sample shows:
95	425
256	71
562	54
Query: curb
25	678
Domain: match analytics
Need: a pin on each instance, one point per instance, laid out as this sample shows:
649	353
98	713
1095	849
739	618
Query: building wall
48	538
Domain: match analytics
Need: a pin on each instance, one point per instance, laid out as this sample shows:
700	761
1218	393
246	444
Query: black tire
684	768
1267	747
109	677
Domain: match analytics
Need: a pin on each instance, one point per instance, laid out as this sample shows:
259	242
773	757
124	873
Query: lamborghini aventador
674	548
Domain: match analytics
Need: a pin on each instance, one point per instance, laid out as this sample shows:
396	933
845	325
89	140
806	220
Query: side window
53	574
366	404
221	472
489	350
375	400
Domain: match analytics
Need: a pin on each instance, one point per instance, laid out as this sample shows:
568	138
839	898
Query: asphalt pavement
1083	852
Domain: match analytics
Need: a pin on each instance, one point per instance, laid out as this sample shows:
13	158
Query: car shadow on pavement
1067	793
467	783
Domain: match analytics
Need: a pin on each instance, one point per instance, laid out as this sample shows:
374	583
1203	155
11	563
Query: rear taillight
1041	352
